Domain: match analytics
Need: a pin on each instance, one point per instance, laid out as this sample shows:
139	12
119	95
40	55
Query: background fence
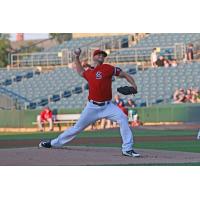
166	113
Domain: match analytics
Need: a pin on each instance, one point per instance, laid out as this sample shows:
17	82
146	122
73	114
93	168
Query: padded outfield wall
24	118
171	113
163	113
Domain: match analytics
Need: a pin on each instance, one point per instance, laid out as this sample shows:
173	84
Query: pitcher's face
99	58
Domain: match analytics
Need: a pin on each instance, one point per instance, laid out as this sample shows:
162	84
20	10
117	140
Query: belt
99	103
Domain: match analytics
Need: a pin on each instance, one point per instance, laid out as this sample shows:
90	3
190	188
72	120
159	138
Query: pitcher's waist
99	103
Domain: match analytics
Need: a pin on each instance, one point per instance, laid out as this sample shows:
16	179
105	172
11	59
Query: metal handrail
136	55
30	60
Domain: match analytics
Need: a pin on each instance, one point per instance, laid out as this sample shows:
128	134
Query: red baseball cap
98	51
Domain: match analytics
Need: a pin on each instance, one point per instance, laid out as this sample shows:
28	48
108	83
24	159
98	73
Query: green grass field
185	146
107	133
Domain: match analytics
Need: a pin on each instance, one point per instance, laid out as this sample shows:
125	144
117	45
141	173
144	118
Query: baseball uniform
99	106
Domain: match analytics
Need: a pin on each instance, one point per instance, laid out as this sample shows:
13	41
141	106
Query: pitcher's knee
123	119
68	135
76	129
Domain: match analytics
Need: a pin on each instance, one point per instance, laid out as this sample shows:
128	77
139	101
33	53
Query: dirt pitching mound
77	156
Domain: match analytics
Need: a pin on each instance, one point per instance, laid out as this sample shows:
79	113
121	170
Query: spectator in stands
193	98
188	95
120	103
38	70
166	63
198	98
117	100
132	113
175	95
189	52
45	116
130	103
195	90
105	123
92	126
174	63
196	93
122	107
153	57
160	61
8	67
179	96
134	118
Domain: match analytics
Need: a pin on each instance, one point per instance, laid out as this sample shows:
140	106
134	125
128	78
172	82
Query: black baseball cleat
45	144
130	153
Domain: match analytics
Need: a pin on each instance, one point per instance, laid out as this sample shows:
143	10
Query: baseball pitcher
99	105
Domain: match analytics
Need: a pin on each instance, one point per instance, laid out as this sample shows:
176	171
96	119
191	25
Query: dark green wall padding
162	113
170	113
24	118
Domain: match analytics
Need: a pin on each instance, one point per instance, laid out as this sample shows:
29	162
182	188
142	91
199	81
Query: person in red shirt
99	105
45	116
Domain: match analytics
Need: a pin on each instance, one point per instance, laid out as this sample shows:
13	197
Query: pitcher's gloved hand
127	90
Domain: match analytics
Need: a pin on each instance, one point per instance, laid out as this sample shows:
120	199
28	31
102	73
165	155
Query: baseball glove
127	90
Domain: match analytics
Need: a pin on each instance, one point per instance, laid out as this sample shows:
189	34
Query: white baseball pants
92	113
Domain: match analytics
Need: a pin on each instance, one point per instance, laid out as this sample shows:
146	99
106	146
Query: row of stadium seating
13	76
154	86
63	88
120	50
164	41
158	85
167	39
52	56
43	87
9	74
138	55
52	86
85	42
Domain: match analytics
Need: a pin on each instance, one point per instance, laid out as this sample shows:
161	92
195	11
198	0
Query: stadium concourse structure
61	87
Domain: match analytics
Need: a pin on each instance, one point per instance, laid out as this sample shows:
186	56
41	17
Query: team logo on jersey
99	75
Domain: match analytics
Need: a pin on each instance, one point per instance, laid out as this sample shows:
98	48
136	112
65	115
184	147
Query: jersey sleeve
116	71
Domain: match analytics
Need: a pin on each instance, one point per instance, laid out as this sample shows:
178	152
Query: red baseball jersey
100	82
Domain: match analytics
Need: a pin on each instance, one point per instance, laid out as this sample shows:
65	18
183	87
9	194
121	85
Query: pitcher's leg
113	113
88	116
126	133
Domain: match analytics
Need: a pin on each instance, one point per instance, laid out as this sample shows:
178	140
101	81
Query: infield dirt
82	156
